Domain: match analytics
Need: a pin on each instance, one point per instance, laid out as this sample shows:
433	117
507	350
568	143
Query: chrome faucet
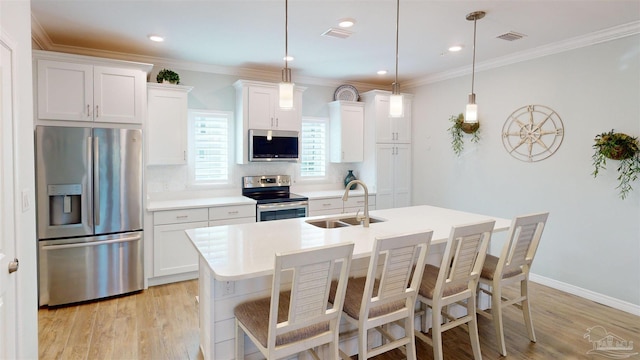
345	197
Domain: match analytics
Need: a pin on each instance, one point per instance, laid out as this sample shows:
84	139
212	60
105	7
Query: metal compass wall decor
532	133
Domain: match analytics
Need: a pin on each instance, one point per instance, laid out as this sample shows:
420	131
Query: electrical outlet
228	287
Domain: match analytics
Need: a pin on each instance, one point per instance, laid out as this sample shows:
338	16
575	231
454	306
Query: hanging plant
458	128
620	147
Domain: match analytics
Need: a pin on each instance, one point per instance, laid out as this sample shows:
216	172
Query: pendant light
471	115
286	86
396	101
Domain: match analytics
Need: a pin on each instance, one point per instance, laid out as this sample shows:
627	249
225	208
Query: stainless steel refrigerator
89	201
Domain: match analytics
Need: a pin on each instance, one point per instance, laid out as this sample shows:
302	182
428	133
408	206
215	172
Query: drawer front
245	220
232	212
180	216
358	201
325	204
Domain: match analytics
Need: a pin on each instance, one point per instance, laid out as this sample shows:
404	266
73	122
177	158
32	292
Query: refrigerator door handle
96	180
93	243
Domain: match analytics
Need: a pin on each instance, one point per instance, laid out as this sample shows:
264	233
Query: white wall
592	239
15	21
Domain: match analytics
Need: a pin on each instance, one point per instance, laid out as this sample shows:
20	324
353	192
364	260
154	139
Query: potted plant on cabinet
458	128
166	75
621	147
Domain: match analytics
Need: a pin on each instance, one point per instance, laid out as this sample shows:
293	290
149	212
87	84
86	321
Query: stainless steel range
274	200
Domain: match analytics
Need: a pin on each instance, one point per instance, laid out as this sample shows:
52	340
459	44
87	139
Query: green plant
168	75
622	147
458	128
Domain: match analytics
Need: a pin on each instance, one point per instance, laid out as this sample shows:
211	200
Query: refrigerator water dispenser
65	204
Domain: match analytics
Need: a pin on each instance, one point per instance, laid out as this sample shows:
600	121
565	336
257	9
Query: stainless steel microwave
273	145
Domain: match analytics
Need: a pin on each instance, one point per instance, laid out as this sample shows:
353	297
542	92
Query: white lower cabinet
335	205
173	253
172	250
393	173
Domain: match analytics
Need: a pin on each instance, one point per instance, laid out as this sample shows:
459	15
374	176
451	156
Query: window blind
313	156
210	146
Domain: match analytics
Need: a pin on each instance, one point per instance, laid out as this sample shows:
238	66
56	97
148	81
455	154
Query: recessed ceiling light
455	48
346	22
156	38
382	72
288	58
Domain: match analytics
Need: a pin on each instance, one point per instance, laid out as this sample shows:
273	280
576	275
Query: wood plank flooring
162	323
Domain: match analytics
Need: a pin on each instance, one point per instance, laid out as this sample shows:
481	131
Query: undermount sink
352	220
341	222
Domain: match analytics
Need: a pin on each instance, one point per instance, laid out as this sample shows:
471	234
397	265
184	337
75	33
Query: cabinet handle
325	204
277	122
97	112
271	122
182	216
88	110
232	212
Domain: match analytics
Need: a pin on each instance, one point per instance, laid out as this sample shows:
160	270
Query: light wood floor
162	323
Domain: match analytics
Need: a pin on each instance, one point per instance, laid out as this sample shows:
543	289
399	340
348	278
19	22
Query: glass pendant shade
471	115
396	105
286	95
285	90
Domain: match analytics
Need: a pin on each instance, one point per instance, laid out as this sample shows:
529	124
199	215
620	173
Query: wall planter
620	147
458	128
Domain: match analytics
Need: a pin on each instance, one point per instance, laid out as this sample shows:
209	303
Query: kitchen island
236	261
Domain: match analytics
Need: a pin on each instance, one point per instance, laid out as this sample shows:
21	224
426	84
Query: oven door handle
283	206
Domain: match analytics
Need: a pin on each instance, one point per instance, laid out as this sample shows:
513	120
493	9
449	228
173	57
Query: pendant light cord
395	87
286	33
473	66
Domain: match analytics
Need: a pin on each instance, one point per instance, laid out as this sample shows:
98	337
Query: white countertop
235	252
158	205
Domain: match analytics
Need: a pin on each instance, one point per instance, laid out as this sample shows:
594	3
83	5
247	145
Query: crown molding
41	38
45	43
613	33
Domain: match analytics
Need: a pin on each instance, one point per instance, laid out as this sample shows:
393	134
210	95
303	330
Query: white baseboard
587	294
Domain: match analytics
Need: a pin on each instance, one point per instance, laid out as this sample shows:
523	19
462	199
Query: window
313	156
209	145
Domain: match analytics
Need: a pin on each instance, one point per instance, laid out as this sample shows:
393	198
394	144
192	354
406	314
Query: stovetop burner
269	189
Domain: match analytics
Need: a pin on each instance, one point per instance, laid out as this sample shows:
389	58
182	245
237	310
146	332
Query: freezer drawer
74	270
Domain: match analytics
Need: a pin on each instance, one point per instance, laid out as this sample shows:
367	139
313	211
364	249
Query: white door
8	326
261	106
402	176
385	156
65	91
117	95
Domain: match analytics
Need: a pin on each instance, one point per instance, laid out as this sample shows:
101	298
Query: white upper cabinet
347	131
264	113
77	88
388	129
257	107
167	124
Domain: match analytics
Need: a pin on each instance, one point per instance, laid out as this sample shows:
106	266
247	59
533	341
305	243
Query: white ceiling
250	33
